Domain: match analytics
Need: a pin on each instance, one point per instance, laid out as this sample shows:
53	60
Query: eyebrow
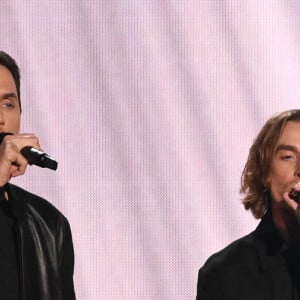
286	147
9	95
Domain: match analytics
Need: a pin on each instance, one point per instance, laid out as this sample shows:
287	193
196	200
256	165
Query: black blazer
44	247
259	266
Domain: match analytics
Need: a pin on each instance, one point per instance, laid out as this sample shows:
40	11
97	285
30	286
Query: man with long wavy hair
266	263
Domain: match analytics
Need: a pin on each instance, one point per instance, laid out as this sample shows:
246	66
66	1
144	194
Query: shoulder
226	273
232	258
26	203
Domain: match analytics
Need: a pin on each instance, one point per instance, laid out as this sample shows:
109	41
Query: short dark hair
8	62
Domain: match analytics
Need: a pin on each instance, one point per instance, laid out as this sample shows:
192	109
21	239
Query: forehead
290	134
7	83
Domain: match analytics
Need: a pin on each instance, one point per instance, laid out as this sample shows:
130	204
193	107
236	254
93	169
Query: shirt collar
269	244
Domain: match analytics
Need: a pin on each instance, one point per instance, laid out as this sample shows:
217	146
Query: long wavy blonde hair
257	167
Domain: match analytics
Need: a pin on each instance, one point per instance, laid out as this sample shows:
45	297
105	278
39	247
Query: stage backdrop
150	108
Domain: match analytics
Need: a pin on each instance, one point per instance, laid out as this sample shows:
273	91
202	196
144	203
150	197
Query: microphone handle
38	158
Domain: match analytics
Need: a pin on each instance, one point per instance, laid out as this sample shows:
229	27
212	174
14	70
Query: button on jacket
258	266
44	247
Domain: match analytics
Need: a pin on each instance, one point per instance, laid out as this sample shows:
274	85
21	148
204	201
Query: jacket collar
269	244
16	202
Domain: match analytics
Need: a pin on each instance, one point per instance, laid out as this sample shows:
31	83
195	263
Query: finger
17	171
18	167
290	202
22	140
13	163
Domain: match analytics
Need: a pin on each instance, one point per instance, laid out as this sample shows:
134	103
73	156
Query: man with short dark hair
266	263
36	249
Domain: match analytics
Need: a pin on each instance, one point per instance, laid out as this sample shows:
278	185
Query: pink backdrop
150	108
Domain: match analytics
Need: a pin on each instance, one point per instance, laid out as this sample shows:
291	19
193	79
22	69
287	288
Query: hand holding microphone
34	156
15	155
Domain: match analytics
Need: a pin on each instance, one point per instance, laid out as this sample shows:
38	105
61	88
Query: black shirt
9	277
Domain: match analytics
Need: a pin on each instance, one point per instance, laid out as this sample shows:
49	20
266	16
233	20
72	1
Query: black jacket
44	247
258	266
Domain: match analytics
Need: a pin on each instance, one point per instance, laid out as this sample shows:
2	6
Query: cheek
279	183
277	178
12	124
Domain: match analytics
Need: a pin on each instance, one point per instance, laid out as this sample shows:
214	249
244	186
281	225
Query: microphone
295	195
34	156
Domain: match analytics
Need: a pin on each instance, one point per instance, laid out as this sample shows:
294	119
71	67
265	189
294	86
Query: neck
286	222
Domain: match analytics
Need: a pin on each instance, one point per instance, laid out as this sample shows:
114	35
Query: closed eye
287	157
